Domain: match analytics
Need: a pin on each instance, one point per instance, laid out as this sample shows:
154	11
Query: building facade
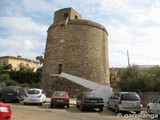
16	61
76	46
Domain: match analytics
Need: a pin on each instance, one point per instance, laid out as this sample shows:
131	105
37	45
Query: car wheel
81	108
67	106
148	110
51	106
116	110
25	103
44	101
77	105
101	109
18	100
108	107
3	100
41	104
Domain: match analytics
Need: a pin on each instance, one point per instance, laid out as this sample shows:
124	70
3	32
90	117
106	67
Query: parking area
35	112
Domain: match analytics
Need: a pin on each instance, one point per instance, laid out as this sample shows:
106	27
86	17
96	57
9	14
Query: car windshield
10	89
91	95
131	97
157	100
33	92
60	94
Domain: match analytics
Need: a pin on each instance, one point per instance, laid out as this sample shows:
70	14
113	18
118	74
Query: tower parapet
66	13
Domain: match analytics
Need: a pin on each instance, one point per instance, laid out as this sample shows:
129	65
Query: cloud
22	24
22	35
20	32
23	45
37	5
25	7
132	25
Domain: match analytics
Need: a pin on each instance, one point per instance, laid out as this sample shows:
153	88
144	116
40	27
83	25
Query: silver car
154	106
125	101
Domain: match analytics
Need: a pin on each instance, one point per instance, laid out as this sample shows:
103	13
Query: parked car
59	98
5	111
35	95
1	92
154	106
125	101
90	100
12	93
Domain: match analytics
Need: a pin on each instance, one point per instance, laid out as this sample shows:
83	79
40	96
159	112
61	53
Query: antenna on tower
17	53
128	58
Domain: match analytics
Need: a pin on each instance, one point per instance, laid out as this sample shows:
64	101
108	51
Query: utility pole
128	59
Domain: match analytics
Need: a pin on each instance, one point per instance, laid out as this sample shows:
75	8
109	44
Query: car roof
60	92
35	89
90	92
12	87
84	93
125	92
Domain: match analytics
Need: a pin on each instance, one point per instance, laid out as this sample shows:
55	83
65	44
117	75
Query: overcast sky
133	25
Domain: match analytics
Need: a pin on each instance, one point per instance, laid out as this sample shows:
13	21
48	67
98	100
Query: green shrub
35	85
4	77
11	82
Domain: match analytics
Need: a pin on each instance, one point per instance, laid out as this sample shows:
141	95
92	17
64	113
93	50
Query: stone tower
77	47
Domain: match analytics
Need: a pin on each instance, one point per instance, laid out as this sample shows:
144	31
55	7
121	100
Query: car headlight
3	109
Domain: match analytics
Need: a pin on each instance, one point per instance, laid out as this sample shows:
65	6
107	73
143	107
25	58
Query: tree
5	68
11	82
128	78
140	80
23	67
22	75
4	77
40	59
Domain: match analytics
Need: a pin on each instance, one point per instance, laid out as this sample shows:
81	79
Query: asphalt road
35	112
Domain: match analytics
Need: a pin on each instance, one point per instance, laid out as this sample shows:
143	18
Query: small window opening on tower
66	15
60	66
76	17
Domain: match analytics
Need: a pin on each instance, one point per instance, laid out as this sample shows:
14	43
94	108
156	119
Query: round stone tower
77	47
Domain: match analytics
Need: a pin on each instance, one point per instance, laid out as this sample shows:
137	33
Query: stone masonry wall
62	84
82	49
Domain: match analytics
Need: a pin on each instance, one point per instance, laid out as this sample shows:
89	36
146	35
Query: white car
154	107
35	96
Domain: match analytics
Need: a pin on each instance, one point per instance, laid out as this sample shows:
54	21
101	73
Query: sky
132	25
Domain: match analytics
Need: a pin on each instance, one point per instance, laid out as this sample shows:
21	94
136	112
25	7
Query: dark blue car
12	94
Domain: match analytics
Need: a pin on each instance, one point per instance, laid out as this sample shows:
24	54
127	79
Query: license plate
94	101
9	94
32	100
130	104
59	100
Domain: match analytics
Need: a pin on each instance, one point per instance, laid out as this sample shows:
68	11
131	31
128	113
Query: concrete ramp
104	91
